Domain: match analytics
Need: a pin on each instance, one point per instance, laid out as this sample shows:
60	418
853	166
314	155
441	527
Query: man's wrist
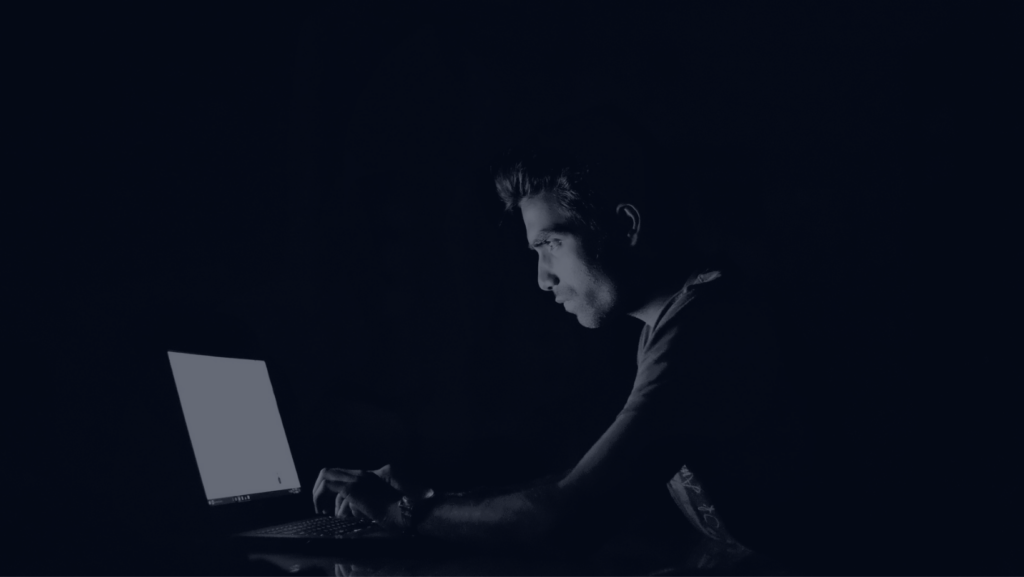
412	511
395	519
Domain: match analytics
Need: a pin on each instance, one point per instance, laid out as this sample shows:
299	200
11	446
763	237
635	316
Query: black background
314	184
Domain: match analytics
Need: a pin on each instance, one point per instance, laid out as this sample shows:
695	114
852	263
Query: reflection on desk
703	557
297	564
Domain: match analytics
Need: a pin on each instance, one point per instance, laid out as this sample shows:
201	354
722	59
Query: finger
346	510
384	473
353	512
318	490
339	504
350	512
336	475
362	508
340	487
348	475
343	508
322	488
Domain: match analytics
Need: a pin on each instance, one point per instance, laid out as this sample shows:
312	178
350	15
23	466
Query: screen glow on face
563	266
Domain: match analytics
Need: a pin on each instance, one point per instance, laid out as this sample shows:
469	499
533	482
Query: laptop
242	454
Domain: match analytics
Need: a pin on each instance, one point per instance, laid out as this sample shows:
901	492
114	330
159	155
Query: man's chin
588	321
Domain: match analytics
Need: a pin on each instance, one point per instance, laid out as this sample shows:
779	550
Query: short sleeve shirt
698	418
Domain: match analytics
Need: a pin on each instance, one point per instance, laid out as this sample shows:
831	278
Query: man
703	403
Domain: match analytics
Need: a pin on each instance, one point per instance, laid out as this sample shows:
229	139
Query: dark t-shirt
706	418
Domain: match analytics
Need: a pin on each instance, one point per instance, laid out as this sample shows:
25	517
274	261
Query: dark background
314	184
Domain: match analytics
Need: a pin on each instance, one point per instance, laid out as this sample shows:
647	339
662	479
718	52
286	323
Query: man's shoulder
713	329
707	301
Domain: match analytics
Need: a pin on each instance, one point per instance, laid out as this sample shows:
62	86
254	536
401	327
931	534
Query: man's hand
403	482
359	494
343	506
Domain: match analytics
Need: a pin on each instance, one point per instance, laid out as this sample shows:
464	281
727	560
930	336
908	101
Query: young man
702	416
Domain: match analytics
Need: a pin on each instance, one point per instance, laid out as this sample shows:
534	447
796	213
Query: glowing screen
235	426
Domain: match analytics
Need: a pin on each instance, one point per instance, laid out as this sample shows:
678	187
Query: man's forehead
541	213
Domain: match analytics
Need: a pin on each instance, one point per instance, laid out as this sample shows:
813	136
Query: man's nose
545	278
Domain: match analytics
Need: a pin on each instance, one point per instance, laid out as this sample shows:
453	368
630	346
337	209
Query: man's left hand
365	493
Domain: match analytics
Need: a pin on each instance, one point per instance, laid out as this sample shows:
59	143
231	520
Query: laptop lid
235	429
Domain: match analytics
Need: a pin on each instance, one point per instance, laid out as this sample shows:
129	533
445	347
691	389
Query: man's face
567	265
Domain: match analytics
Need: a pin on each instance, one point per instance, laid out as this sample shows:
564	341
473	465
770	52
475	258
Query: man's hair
587	166
565	182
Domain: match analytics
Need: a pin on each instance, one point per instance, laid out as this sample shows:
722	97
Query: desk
254	558
186	556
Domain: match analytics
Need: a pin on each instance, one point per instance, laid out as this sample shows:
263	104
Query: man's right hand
402	483
342	506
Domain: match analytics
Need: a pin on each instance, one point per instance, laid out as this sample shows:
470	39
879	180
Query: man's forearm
529	517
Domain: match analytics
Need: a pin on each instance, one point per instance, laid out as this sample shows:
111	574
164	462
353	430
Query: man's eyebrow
544	233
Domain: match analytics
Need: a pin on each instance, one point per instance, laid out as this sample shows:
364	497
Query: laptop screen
235	427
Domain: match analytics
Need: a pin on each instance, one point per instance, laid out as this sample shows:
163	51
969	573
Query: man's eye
553	243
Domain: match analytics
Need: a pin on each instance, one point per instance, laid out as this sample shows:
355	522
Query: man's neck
656	299
649	313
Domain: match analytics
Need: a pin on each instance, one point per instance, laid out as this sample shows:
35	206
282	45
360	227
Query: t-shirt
704	417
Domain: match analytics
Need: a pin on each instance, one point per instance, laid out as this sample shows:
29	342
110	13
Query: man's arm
534	517
627	460
531	517
551	514
636	453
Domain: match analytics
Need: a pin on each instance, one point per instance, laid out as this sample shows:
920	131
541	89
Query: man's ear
627	221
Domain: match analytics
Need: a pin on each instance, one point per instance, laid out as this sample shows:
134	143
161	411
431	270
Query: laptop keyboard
318	527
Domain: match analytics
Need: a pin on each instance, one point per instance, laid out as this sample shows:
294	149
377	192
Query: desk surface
252	557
